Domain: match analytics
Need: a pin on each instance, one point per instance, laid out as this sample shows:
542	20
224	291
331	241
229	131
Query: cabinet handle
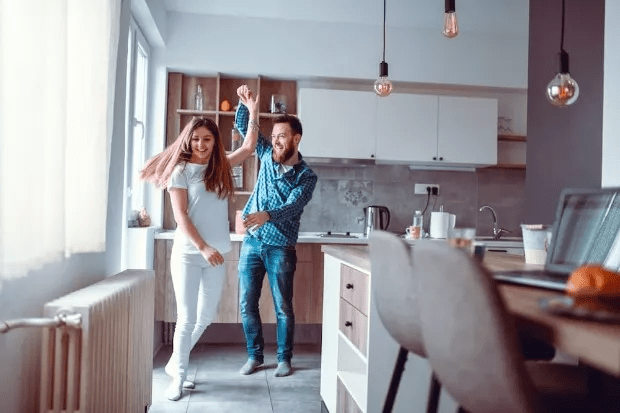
434	158
349	286
441	158
348	324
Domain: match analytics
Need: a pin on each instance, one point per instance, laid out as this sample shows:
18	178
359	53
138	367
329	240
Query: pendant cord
384	1
562	39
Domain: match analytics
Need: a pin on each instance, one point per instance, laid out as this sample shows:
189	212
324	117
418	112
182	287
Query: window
135	149
57	77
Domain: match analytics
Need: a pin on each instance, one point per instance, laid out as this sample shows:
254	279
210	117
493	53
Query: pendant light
450	25
383	85
562	90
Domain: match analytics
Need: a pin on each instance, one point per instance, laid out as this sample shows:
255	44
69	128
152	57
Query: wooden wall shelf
513	138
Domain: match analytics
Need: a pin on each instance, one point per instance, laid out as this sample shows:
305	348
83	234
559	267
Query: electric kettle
374	218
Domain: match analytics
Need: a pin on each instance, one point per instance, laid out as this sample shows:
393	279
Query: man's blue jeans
279	263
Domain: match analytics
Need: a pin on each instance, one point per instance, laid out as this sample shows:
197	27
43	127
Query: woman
197	173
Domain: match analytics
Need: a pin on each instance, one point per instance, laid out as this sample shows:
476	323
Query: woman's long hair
218	176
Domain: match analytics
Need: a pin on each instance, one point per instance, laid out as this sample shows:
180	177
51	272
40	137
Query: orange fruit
588	283
593	280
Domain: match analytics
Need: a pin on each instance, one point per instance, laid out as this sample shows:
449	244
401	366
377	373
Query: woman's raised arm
247	97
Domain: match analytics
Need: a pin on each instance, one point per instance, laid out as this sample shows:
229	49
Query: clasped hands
248	99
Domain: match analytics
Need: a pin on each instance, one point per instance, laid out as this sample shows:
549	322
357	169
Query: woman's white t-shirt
208	213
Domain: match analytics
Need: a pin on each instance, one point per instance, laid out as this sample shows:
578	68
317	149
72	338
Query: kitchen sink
512	245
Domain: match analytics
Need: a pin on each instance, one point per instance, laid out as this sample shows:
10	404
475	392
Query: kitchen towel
440	222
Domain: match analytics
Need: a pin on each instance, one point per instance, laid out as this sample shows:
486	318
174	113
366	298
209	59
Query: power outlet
420	189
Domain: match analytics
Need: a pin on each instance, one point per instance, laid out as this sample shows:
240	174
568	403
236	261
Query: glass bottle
199	99
237	171
418	220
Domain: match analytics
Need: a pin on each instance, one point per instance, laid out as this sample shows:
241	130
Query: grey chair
472	345
396	294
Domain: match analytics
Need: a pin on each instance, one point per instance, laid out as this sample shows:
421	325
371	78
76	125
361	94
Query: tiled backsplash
342	193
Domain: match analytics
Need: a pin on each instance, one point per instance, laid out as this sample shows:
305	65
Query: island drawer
354	288
354	325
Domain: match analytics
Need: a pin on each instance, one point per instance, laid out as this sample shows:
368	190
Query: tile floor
220	388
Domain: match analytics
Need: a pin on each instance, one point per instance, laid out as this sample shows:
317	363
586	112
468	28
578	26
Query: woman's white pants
198	289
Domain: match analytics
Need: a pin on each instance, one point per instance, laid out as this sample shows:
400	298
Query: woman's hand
248	98
212	256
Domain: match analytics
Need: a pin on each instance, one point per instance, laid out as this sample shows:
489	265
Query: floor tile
220	388
231	407
171	407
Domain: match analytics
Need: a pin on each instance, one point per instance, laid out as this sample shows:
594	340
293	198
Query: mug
414	232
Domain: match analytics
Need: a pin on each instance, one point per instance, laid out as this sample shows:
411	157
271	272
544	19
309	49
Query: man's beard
282	157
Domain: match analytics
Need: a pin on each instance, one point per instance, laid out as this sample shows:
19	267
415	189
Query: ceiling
510	16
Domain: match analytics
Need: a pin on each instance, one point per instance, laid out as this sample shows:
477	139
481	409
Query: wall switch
420	189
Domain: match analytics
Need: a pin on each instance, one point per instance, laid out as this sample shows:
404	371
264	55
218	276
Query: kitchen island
355	372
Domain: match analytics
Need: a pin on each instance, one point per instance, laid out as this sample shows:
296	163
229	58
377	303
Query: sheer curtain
57	74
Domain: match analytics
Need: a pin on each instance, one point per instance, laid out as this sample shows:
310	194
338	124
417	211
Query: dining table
592	342
595	344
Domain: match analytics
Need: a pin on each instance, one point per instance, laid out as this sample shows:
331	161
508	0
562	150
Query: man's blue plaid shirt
283	196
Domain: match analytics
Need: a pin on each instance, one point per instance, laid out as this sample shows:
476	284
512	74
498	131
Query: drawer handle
349	286
348	324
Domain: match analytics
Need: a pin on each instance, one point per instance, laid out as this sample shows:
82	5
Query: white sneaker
175	390
169	369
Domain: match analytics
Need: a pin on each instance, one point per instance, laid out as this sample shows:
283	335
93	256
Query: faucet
497	232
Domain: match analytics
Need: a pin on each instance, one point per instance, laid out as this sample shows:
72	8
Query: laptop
586	230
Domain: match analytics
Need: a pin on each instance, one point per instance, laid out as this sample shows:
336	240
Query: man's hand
255	220
212	256
247	97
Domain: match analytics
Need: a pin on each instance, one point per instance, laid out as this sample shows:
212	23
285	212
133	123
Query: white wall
611	98
298	49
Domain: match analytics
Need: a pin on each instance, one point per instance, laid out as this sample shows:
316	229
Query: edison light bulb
450	25
562	90
383	85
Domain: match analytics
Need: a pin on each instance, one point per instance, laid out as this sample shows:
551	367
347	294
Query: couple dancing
197	173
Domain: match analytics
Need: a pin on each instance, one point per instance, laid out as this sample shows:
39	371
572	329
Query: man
272	214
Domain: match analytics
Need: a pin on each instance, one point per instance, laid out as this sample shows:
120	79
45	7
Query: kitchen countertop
513	246
304	238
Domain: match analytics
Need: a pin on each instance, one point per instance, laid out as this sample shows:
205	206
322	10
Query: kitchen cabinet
357	352
407	128
337	123
426	130
467	130
437	130
217	90
308	286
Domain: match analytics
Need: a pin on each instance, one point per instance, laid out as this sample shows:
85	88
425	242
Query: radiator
106	365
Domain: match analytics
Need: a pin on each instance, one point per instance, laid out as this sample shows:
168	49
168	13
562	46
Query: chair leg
396	375
433	395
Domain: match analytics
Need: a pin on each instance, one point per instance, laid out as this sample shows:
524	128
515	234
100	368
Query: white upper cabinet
467	130
407	128
424	130
337	123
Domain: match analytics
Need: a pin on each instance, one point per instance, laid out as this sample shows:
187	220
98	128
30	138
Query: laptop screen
586	230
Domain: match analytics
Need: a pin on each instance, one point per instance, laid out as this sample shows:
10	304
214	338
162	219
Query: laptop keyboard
536	278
